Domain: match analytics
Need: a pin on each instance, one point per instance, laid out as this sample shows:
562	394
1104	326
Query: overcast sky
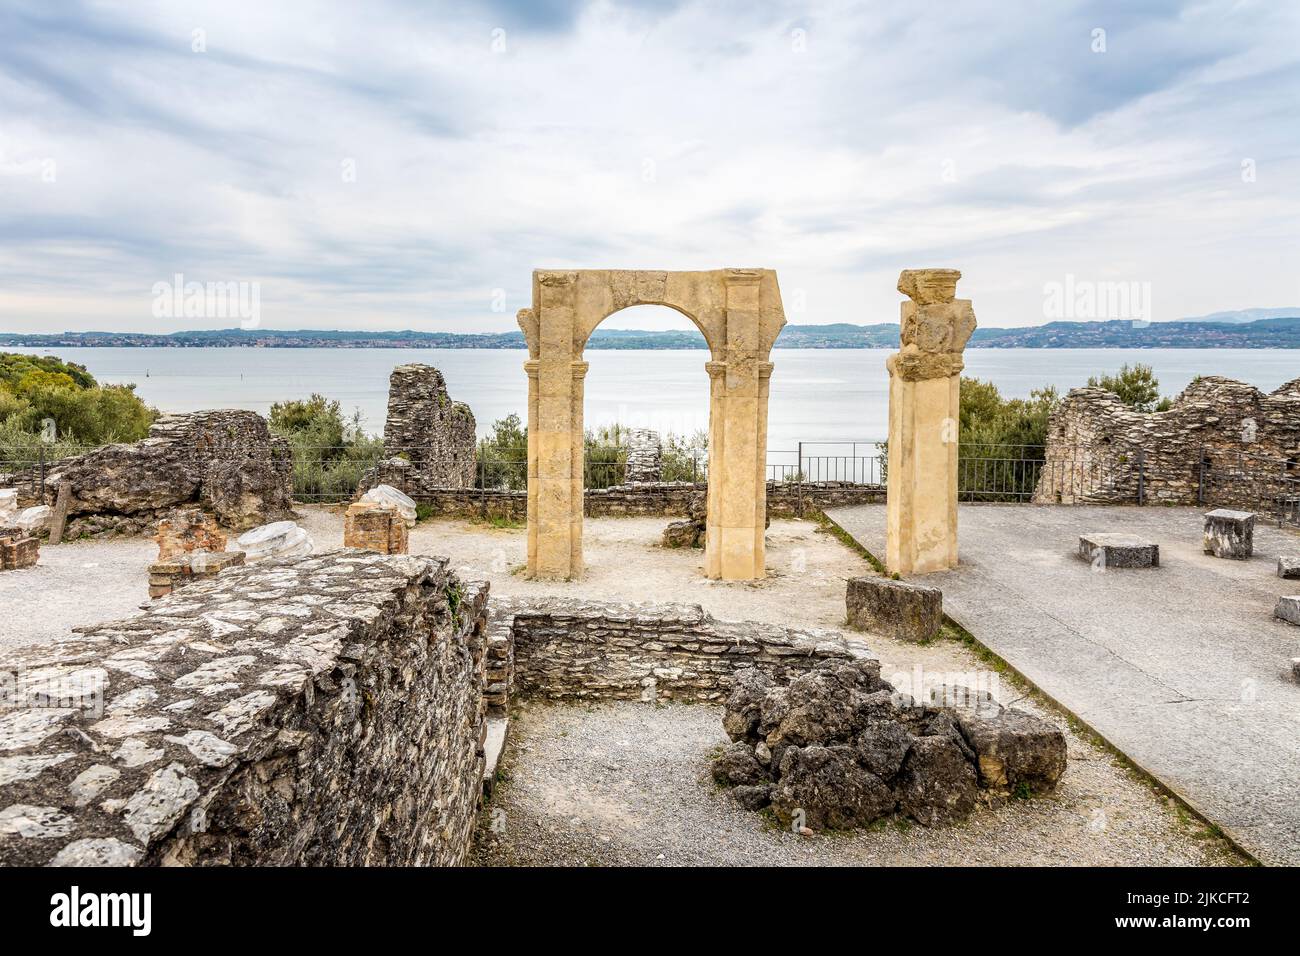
395	165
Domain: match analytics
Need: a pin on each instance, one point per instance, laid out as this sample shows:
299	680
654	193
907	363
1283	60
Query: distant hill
1245	315
1281	332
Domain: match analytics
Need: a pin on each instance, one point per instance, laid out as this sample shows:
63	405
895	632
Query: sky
406	165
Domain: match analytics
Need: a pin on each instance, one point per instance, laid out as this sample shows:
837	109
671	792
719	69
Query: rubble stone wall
578	650
429	440
323	710
225	461
659	499
1222	442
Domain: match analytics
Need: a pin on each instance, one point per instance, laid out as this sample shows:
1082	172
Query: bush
329	455
1136	386
36	389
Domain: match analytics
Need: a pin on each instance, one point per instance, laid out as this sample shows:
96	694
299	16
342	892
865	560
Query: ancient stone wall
644	456
306	711
428	439
578	650
225	461
662	499
1222	442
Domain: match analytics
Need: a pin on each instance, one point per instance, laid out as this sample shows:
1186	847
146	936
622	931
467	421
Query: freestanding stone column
739	311
924	412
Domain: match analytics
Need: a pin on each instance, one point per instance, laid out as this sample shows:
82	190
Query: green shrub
1136	386
329	455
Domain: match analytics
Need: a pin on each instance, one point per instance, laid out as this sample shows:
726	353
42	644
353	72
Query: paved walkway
1182	667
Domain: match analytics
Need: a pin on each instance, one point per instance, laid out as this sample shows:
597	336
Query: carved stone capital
913	365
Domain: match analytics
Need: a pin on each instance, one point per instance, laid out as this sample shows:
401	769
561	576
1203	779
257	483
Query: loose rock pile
838	747
689	532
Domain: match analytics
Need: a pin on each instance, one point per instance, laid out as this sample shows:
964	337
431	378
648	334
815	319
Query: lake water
817	394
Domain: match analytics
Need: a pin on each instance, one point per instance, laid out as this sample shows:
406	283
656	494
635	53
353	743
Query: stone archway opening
739	312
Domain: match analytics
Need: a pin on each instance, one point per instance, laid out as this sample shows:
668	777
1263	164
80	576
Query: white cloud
688	136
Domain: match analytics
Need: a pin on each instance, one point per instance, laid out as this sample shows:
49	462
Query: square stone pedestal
897	609
1289	567
374	527
1119	550
1230	534
18	551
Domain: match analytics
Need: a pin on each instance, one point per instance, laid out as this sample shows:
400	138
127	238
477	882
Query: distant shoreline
1270	333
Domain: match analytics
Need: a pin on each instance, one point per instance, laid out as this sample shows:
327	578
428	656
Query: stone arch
740	314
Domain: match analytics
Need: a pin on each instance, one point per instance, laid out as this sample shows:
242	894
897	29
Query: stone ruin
312	711
429	440
372	526
279	539
838	747
187	530
225	461
18	551
644	457
1222	441
689	532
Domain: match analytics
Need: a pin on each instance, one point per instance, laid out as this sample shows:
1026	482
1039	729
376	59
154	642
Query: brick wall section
1095	442
375	528
577	650
323	710
17	551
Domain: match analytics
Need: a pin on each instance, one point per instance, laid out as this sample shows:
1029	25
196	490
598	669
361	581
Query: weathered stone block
1119	550
1230	534
1288	609
897	609
279	539
1289	568
1014	750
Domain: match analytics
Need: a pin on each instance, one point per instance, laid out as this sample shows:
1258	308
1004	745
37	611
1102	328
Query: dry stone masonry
322	710
428	438
225	461
644	457
578	650
166	575
1223	441
839	747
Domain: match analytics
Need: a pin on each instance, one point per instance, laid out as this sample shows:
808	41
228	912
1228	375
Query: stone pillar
557	486
924	398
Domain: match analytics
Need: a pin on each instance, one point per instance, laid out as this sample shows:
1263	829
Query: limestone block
1288	609
896	609
390	497
279	539
1014	750
1119	550
34	519
8	502
1289	567
1230	534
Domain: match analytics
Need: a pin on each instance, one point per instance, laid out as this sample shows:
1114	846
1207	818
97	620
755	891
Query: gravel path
628	784
81	582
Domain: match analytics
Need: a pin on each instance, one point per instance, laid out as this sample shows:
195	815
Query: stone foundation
187	568
577	650
665	499
325	710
